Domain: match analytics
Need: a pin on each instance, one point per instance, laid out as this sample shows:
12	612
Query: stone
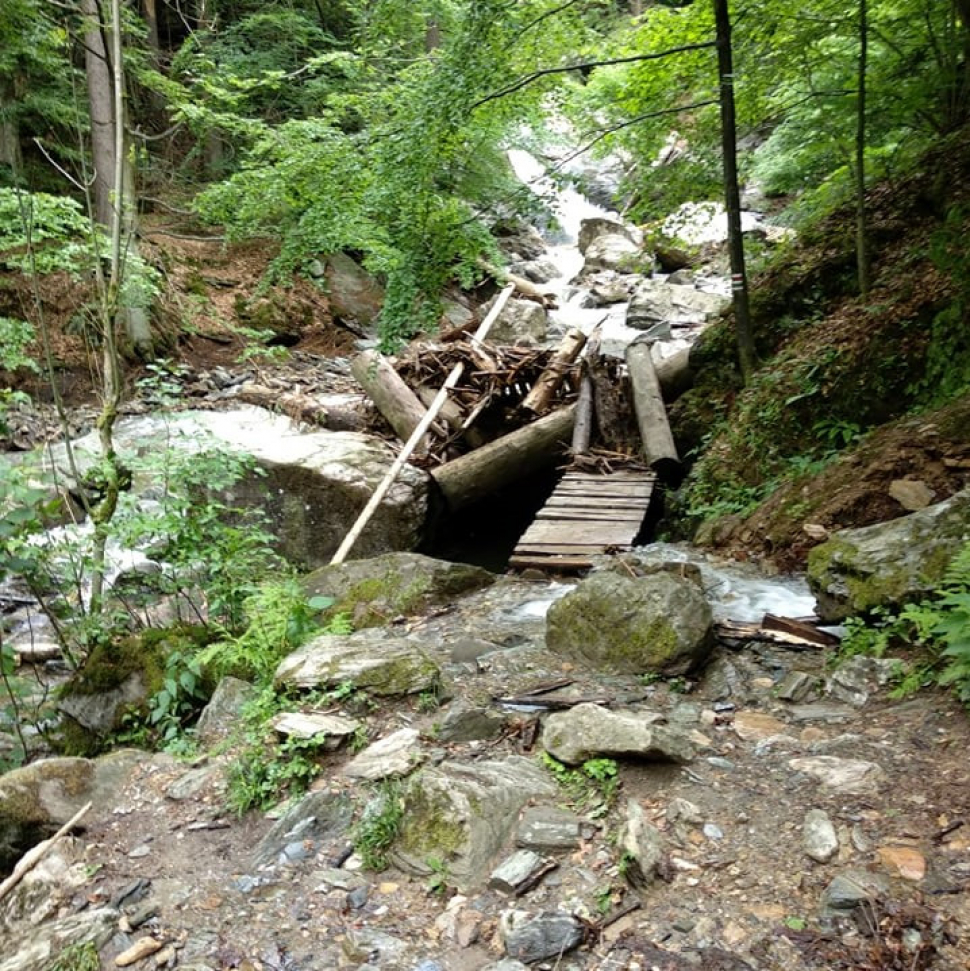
795	686
551	830
98	712
538	271
641	846
508	964
753	726
311	485
654	301
37	799
598	226
371	660
906	861
819	838
317	816
220	716
395	755
355	296
589	730
332	730
549	935
850	888
611	251
911	494
462	814
853	776
376	589
466	724
888	564
37	947
520	322
632	625
858	678
514	870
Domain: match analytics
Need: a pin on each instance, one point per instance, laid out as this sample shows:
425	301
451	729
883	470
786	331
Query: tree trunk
655	434
862	229
506	460
732	196
675	375
9	129
547	384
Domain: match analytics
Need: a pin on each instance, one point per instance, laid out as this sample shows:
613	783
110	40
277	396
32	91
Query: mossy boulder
633	625
888	564
116	679
462	815
375	590
37	799
369	659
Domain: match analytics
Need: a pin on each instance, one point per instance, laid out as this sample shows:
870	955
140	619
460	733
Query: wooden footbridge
587	514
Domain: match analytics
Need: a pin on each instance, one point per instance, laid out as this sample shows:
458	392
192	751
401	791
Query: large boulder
655	300
587	731
461	815
888	564
311	485
355	296
371	660
37	799
599	226
520	322
633	625
611	252
374	590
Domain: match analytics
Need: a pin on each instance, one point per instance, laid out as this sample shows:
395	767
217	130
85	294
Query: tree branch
586	65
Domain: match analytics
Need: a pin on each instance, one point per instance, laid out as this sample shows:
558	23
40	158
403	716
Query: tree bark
506	460
675	375
9	128
862	228
547	384
655	434
732	195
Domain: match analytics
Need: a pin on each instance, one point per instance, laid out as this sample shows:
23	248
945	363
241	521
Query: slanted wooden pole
392	473
547	384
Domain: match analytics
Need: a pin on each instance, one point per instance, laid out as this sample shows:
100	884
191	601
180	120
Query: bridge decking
587	514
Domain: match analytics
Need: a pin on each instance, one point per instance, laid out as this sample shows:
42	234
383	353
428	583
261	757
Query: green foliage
937	627
259	779
379	825
76	957
592	787
440	875
180	699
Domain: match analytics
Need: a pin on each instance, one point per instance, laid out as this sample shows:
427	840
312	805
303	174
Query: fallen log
506	460
393	398
300	407
655	435
409	446
675	375
453	415
799	628
543	391
526	287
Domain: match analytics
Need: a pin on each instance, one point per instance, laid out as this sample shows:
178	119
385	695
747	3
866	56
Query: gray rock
821	712
355	296
369	659
548	829
795	686
465	724
632	625
317	816
37	799
858	678
514	870
641	845
612	251
378	588
462	815
588	730
520	322
507	964
396	755
888	564
331	731
853	776
850	888
196	780
592	229
654	301
546	936
38	946
221	715
819	838
311	485
538	271
99	711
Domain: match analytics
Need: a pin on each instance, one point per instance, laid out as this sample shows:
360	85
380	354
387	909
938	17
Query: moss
431	827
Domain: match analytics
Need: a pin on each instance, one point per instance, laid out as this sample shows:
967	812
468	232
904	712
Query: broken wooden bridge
586	515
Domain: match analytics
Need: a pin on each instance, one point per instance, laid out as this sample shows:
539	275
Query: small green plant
76	957
263	775
379	825
605	899
179	700
796	923
593	786
438	881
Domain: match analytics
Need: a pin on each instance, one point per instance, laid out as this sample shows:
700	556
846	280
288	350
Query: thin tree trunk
862	228
9	128
732	196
